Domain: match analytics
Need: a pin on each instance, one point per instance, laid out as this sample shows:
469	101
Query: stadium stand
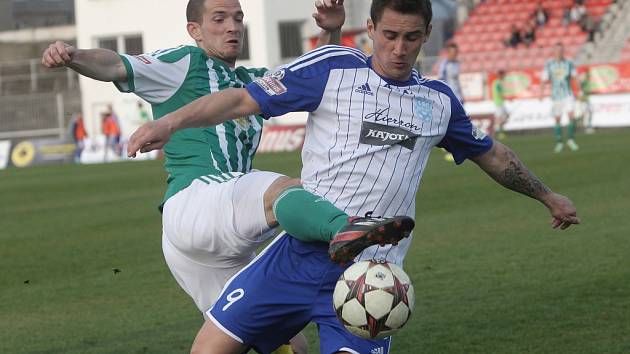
482	38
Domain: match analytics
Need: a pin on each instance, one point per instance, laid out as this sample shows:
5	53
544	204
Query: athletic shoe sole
389	231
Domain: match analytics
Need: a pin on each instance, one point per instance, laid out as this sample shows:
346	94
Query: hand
562	211
151	136
330	15
58	54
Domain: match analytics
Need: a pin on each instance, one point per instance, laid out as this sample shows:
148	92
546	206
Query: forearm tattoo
518	178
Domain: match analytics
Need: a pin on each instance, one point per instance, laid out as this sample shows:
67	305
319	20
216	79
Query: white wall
162	24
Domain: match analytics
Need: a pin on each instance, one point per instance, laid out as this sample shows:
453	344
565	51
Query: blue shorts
272	299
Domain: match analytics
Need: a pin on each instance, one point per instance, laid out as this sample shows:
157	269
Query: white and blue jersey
368	138
449	72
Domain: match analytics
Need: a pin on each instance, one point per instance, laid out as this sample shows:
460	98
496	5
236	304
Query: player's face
559	52
397	39
221	32
452	53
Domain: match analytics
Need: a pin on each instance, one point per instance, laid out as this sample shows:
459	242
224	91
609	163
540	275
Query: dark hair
452	45
416	7
194	10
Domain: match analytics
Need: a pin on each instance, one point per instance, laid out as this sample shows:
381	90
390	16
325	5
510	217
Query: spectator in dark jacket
515	38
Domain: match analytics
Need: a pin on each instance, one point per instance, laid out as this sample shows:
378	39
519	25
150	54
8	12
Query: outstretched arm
330	16
205	111
502	164
98	64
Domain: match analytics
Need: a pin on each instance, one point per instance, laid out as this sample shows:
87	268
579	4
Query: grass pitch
82	268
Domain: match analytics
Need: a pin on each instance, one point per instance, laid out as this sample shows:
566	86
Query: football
373	299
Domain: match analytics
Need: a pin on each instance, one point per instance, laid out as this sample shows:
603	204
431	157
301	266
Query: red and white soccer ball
373	299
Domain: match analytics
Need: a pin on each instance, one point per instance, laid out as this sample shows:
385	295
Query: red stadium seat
482	36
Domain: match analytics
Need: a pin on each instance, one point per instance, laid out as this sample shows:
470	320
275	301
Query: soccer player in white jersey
561	73
216	213
373	123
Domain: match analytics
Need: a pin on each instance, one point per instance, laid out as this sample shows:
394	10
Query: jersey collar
410	82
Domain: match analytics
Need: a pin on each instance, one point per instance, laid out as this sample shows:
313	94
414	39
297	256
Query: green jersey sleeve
157	76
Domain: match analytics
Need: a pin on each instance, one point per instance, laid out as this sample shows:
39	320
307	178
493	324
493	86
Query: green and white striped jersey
172	78
560	74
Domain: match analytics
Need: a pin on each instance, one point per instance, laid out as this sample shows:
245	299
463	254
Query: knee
277	187
299	344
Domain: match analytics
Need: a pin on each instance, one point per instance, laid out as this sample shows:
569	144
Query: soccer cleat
363	232
572	145
559	147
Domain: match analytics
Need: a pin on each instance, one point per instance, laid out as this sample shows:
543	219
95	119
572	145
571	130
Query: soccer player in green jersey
501	114
561	73
217	211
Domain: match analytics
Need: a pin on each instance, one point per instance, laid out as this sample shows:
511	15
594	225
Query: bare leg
299	344
212	340
272	193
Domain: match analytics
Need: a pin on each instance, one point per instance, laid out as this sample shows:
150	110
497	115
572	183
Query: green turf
490	275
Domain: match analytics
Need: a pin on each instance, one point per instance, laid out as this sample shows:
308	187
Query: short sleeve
288	90
462	138
152	78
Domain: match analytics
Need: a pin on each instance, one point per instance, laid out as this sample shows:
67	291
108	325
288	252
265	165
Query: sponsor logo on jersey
423	108
364	89
143	59
477	133
379	350
381	115
271	85
243	122
381	135
278	74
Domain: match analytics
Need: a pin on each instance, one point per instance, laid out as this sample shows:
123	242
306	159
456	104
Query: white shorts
583	108
563	106
211	230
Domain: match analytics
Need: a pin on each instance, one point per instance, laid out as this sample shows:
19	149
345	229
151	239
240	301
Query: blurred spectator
111	130
365	46
449	73
78	136
579	12
450	69
541	16
529	34
590	27
566	16
515	38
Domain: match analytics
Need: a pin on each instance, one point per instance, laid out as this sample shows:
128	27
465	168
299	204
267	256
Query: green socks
558	133
571	129
308	217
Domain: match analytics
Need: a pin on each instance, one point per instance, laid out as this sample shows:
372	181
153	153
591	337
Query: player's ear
194	30
429	29
370	28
